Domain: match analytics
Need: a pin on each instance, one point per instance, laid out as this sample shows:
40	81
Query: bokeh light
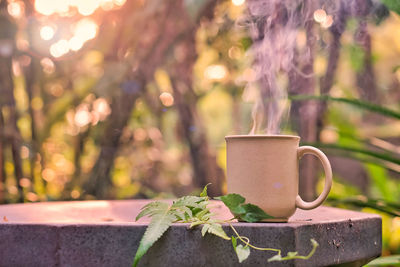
215	72
48	174
85	29
166	99
47	65
87	7
47	32
327	22
102	108
119	2
238	2
15	9
319	15
59	48
75	43
82	116
84	7
324	19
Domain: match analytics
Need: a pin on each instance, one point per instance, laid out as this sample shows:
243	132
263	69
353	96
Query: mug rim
262	136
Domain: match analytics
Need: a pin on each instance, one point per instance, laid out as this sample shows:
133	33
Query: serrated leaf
160	222
242	252
277	257
202	213
187	211
204	192
205	228
152	208
215	229
207	216
190	201
196	223
180	215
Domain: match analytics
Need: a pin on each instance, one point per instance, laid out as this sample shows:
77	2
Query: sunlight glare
85	29
119	2
47	33
238	2
75	43
46	7
106	5
87	7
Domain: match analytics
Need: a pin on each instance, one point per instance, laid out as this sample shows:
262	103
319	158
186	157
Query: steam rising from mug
284	35
273	26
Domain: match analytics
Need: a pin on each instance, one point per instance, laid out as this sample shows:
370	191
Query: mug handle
301	151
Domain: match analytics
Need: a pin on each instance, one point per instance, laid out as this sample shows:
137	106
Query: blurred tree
8	119
170	22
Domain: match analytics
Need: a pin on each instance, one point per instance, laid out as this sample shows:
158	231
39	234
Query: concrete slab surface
104	233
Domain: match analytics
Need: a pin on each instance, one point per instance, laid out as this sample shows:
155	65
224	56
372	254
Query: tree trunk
365	77
2	160
12	134
327	80
304	114
122	105
205	167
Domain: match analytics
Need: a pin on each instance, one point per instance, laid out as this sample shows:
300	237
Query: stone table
103	233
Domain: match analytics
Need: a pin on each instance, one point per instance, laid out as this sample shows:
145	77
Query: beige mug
264	169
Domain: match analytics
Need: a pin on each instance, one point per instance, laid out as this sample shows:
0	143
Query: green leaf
242	252
191	201
196	223
204	192
245	212
233	202
205	228
202	213
292	254
351	101
215	229
393	260
234	242
160	222
254	214
152	208
393	5
277	257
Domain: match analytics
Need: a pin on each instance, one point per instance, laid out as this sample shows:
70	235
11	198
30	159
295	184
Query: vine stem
247	243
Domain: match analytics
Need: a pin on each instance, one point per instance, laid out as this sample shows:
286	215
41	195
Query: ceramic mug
265	170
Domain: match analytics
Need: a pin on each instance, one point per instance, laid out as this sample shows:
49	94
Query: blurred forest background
117	99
